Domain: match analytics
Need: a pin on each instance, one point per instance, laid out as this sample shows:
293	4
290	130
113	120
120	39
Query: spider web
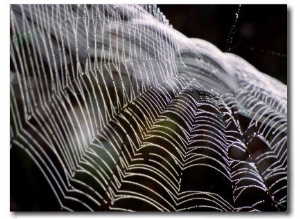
118	111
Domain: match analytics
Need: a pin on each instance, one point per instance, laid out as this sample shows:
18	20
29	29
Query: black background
259	35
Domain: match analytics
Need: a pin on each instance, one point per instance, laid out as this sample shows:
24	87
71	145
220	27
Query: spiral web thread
120	112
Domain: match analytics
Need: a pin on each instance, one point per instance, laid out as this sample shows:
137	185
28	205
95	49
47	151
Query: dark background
259	35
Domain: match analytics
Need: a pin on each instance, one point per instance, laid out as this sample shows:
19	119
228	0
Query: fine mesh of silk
113	109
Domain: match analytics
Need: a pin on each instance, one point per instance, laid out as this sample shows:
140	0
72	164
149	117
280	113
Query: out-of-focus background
258	33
